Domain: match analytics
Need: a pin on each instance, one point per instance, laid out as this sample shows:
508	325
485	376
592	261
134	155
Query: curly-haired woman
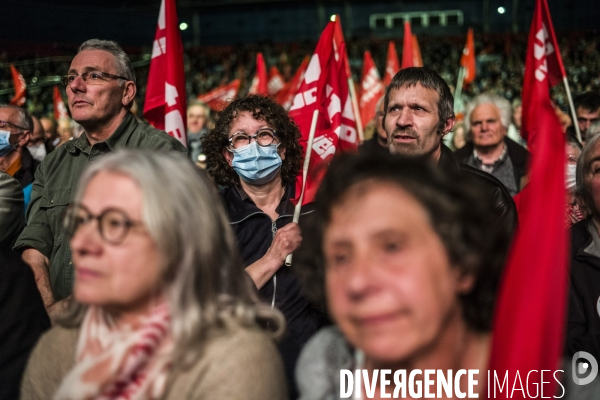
255	153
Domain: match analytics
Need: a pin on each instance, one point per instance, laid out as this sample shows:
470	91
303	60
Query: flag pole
458	90
573	111
359	126
311	136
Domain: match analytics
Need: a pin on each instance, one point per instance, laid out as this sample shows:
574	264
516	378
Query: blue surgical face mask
256	164
5	146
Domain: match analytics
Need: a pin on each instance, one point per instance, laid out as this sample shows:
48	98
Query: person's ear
25	138
228	156
448	125
129	91
464	283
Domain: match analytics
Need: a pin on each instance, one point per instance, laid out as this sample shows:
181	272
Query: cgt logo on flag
541	49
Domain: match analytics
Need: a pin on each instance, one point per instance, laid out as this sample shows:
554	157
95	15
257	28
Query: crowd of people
155	271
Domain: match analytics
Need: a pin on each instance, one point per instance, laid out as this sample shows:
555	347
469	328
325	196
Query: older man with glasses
100	87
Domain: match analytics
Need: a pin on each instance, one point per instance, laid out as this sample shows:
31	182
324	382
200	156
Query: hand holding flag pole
311	136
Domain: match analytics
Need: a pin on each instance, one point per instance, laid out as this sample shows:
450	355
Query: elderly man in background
198	114
100	89
16	126
50	127
487	118
587	109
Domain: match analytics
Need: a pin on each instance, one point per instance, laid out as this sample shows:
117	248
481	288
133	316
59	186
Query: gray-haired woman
162	307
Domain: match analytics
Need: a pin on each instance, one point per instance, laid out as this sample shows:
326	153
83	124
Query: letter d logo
579	369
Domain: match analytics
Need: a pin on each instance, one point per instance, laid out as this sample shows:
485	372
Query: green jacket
54	186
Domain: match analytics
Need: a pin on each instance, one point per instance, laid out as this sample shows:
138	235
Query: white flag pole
458	90
573	111
311	136
359	126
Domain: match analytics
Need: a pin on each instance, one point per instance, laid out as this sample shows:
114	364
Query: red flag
417	59
60	111
259	83
218	98
467	61
528	333
371	89
407	49
20	87
165	104
285	97
325	88
392	66
275	83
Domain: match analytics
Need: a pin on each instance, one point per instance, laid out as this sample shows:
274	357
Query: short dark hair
429	79
261	108
476	240
589	101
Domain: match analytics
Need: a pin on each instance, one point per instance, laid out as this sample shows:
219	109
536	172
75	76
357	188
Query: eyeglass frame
13	125
230	147
84	75
70	231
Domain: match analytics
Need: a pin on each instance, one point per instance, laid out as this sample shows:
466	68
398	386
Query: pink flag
20	87
60	111
392	66
218	98
275	83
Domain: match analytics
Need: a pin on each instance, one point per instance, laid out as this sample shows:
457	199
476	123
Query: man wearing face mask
16	126
38	145
255	153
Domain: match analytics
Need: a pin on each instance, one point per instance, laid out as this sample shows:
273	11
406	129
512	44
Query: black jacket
22	320
583	321
29	164
519	157
254	231
501	198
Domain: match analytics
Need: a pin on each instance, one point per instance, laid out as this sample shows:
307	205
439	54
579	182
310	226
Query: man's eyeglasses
91	77
113	224
264	137
5	124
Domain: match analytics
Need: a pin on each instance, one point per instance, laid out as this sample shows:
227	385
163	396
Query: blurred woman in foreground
162	307
408	261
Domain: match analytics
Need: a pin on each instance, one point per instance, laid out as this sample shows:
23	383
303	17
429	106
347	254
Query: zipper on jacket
274	230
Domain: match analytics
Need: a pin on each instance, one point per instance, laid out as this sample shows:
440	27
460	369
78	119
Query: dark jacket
501	198
583	321
23	319
254	231
373	145
28	166
519	157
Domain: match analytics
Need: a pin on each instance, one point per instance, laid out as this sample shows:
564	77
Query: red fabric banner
165	104
276	83
417	59
259	83
407	49
325	88
371	89
20	87
218	98
530	311
392	65
60	110
285	97
467	61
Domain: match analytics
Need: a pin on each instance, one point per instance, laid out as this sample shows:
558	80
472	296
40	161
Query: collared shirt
502	169
54	185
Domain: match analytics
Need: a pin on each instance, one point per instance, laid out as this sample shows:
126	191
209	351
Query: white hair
500	102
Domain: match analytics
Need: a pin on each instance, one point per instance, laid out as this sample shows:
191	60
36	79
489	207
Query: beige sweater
241	364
